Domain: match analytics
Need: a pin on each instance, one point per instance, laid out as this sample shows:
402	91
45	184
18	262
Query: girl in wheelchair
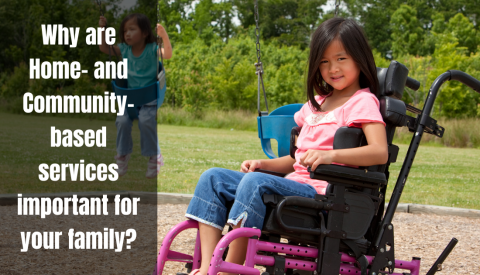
341	87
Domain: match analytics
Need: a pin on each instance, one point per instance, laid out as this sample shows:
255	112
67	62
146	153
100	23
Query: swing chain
159	41
259	65
257	32
337	4
99	3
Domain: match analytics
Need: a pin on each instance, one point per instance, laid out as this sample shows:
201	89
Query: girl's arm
167	47
114	49
282	165
376	152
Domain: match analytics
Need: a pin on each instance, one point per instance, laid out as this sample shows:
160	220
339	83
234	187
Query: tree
288	21
464	31
175	17
407	35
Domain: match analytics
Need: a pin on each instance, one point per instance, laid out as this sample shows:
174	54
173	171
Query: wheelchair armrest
348	175
278	174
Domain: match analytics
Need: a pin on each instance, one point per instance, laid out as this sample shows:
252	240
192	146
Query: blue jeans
217	186
147	123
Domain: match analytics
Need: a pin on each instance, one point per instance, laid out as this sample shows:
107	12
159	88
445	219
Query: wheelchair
347	230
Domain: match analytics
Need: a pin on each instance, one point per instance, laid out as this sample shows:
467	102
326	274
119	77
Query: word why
108	239
50	33
71	104
80	206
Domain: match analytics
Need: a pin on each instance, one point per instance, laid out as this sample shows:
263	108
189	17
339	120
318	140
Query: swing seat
277	125
136	97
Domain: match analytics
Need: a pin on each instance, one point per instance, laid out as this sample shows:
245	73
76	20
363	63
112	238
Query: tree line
214	47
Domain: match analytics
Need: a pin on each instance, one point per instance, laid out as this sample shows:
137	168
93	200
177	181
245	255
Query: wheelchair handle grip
412	83
299	201
466	79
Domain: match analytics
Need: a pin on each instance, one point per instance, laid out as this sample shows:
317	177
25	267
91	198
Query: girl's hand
313	158
250	165
161	31
102	22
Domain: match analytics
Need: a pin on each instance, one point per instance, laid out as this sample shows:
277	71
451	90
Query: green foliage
464	31
212	65
290	21
454	100
407	35
17	83
222	76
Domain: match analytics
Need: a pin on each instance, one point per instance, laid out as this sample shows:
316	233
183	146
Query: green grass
440	176
461	133
233	119
25	144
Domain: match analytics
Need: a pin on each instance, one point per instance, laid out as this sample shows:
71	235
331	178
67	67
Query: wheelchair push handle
466	79
412	83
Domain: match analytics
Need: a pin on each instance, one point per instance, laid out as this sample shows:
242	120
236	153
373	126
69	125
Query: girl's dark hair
351	35
142	22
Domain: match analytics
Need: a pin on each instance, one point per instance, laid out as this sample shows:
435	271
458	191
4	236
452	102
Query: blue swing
136	97
277	125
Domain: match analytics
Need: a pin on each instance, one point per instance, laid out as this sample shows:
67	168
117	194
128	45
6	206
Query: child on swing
139	48
341	88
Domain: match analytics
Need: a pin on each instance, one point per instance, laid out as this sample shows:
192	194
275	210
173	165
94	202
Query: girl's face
132	33
339	69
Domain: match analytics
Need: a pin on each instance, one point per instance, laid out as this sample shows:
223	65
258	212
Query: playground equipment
357	235
136	97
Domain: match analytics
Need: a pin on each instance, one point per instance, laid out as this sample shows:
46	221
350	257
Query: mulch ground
416	235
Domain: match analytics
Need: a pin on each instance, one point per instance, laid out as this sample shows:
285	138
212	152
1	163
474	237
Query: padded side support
346	137
347	175
393	111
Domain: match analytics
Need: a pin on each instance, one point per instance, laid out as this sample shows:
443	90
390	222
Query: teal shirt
142	70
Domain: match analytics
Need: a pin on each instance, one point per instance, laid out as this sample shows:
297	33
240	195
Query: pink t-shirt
318	129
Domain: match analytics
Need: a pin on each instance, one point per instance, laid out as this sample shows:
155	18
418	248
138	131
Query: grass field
440	176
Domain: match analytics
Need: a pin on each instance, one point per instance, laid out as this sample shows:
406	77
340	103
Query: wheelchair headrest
392	80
